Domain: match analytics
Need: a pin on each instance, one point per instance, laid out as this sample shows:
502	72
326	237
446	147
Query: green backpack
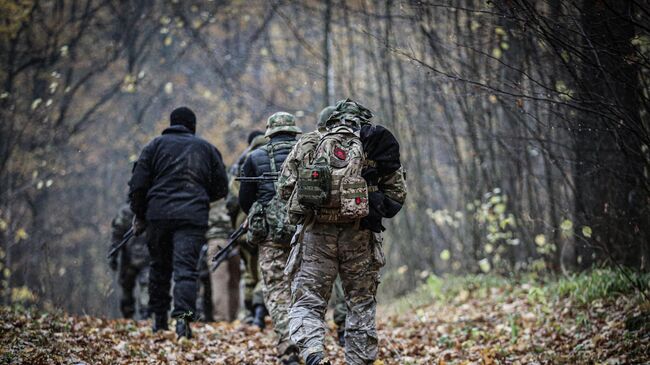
280	228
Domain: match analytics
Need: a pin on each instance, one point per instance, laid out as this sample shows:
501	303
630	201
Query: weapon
127	236
226	252
267	176
202	255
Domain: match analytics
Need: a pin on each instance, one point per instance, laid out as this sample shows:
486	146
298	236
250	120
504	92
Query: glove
139	226
112	263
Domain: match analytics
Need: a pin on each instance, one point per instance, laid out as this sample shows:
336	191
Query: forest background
523	124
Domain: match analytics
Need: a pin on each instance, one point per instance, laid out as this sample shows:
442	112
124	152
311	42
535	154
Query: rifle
225	253
267	176
127	236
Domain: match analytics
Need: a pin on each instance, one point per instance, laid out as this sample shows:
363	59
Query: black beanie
185	117
253	134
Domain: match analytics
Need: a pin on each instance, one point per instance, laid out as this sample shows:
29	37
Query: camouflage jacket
300	155
219	224
135	252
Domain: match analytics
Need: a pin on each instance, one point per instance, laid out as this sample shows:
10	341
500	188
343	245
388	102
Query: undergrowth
582	288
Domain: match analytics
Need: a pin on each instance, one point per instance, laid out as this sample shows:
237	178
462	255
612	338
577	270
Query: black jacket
382	148
176	178
259	162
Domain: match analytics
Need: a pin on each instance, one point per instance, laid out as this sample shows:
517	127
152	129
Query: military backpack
331	185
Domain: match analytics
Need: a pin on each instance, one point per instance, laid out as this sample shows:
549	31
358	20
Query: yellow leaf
484	265
3	225
566	225
21	234
445	255
586	231
540	240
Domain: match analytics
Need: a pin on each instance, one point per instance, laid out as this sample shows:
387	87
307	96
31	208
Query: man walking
174	180
340	228
257	200
133	266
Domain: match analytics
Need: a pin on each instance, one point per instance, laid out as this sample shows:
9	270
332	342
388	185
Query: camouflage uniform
340	308
328	249
253	295
273	256
299	155
224	281
133	267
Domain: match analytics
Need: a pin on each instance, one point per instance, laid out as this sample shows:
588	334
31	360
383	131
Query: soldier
133	266
329	244
253	297
174	180
224	281
305	144
257	200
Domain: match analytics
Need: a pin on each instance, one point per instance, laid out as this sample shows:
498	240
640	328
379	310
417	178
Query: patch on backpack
340	153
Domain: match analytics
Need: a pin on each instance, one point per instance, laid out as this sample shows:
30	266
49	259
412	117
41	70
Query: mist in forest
523	125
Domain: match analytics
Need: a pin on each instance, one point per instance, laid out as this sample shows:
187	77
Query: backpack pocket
257	226
353	193
314	184
277	218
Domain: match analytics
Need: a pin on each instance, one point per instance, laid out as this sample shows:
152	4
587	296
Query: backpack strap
270	149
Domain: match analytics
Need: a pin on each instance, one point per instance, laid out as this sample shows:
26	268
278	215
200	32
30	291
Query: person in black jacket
282	131
173	183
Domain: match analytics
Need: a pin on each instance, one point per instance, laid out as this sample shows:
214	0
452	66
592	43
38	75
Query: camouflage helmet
350	111
324	116
281	122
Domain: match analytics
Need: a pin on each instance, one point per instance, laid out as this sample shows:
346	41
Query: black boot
290	359
316	359
340	333
183	328
250	312
160	322
260	313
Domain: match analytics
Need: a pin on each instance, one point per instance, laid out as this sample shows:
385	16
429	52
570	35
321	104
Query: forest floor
446	321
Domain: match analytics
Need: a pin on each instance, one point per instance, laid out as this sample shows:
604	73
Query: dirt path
497	327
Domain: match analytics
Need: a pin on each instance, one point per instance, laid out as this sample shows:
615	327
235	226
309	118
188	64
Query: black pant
175	247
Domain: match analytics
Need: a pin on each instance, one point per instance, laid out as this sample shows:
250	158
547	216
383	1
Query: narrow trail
500	326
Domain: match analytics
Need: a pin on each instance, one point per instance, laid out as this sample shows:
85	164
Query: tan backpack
331	185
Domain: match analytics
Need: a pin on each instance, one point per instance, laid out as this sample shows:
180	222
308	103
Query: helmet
324	116
350	112
281	122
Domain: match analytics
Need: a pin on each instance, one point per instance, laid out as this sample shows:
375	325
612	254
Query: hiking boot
183	328
290	359
317	358
160	322
340	334
249	313
260	313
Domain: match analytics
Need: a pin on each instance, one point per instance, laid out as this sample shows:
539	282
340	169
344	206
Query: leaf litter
503	326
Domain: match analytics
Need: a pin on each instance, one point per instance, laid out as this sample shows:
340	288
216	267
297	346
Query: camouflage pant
134	303
328	249
338	302
224	282
251	275
277	292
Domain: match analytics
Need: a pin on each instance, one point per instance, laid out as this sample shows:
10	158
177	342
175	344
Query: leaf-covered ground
498	325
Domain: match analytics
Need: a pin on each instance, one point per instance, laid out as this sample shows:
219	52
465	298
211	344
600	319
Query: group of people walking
313	216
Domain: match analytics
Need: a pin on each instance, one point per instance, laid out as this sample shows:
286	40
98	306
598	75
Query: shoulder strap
270	149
